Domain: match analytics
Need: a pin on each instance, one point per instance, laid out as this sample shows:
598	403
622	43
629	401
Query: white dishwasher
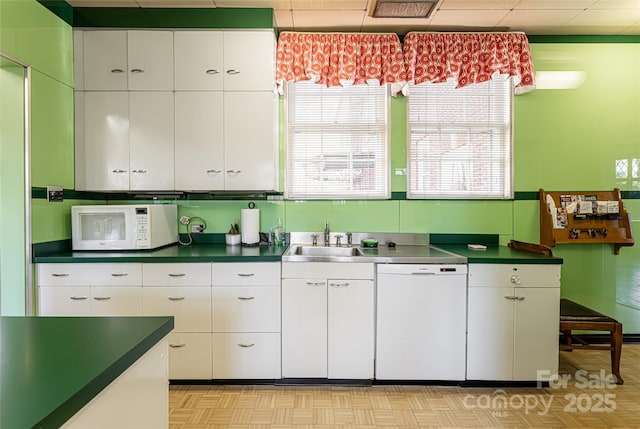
421	321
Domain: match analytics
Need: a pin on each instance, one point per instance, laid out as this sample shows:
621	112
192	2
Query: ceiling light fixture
404	8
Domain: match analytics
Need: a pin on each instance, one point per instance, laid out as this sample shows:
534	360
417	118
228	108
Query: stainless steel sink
327	251
310	253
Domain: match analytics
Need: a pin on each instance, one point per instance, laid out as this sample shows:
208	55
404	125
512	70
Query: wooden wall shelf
584	228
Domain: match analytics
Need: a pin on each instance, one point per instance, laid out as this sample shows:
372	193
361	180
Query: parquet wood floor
587	400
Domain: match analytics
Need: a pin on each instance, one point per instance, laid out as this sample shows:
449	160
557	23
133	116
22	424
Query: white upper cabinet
198	60
105	60
249	60
150	59
199	157
133	60
250	151
151	140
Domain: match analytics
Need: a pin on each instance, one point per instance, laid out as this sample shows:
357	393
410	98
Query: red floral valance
334	59
468	58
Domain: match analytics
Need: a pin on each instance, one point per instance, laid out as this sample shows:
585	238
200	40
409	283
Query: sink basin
326	251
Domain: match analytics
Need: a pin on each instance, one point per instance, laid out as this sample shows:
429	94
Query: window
460	140
337	141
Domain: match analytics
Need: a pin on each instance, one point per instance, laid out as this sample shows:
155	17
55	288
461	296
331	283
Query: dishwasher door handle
417	273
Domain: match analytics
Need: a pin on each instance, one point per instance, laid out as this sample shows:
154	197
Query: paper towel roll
250	227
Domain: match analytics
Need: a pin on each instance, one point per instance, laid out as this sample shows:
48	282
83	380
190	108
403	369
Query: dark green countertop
495	254
173	253
50	367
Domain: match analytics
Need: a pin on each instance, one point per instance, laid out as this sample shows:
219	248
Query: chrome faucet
314	238
349	239
327	234
338	238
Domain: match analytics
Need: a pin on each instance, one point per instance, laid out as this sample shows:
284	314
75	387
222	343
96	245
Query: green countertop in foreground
50	367
173	253
495	254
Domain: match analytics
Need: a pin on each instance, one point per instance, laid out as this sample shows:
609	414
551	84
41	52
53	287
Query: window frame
381	194
507	192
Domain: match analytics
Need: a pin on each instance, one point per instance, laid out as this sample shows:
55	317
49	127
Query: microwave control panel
142	220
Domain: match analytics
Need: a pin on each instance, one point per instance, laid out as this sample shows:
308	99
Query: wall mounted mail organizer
584	217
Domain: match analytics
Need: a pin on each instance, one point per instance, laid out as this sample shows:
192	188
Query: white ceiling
602	17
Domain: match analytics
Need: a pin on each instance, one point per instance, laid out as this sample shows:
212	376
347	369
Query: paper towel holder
250	237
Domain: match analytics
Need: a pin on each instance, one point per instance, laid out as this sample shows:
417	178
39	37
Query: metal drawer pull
520	298
246	275
60	275
234	171
423	274
246	298
117	71
232	71
212	71
119	274
177	346
246	345
214	171
511	297
177	274
315	284
137	71
339	284
139	171
102	298
118	171
176	298
78	298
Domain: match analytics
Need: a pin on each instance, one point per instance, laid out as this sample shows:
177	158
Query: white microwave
123	227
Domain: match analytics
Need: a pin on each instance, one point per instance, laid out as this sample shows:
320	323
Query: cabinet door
151	116
116	301
190	306
190	356
198	60
105	60
249	58
105	160
150	59
249	141
537	312
246	309
199	146
490	333
350	329
304	328
64	301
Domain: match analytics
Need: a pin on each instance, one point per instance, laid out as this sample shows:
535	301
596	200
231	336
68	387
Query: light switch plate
54	193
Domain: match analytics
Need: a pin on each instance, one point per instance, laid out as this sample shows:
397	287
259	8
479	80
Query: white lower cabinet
513	321
190	356
327	320
246	355
246	320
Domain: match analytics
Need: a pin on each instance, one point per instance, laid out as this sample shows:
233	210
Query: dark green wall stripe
61	8
487	239
125	17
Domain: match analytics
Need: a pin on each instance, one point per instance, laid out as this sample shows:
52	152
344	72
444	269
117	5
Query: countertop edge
82	397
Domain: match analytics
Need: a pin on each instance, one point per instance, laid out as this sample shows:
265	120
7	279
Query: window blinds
460	140
337	141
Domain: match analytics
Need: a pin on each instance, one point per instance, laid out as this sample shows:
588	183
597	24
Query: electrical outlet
197	228
54	193
185	220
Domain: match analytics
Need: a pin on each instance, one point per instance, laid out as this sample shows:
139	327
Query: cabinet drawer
107	274
190	306
64	301
246	309
246	273
189	356
246	356
327	270
195	274
116	301
502	275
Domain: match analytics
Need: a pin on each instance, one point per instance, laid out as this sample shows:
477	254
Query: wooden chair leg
567	337
616	350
